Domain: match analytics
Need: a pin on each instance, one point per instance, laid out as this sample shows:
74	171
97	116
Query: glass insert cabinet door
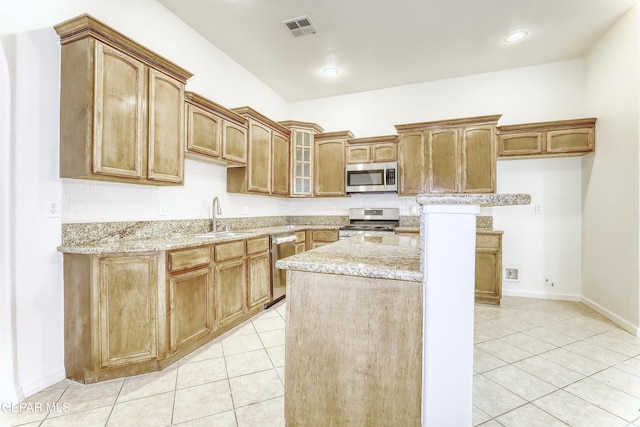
302	149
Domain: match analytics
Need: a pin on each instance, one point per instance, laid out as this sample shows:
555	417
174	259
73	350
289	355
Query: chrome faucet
215	211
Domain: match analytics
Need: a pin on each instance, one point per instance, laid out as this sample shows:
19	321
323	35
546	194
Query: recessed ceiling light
515	36
330	71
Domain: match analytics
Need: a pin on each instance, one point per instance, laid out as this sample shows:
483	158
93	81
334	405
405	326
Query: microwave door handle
384	177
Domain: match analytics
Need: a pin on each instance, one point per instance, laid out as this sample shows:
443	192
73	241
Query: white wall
544	246
610	179
8	386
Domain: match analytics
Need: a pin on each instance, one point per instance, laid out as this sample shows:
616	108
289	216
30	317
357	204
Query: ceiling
377	44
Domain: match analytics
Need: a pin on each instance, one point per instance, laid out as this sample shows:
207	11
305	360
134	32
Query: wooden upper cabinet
372	150
561	138
448	156
121	108
267	166
330	164
214	133
443	161
479	159
302	160
259	168
280	164
166	126
411	163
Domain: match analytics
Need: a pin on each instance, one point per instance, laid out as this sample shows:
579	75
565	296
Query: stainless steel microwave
372	177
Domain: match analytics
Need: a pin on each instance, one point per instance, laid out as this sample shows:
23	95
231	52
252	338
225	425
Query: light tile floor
536	363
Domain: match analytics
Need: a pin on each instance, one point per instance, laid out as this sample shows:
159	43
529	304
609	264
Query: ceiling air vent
300	26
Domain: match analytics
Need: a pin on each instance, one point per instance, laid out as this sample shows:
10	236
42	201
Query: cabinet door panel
478	160
329	168
302	163
231	285
412	163
488	287
259	159
280	165
443	170
234	146
259	275
520	144
119	114
127	309
570	141
190	307
205	132
166	118
383	153
359	154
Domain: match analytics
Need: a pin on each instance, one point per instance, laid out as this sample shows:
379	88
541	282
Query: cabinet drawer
229	250
324	235
188	258
488	241
258	245
301	236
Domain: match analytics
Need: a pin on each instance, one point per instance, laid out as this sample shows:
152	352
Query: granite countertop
180	240
379	256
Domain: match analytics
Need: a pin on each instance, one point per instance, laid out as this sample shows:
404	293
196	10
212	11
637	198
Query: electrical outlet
539	210
245	210
163	209
53	209
415	210
511	274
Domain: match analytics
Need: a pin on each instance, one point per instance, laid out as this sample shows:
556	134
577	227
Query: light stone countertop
484	199
179	240
378	256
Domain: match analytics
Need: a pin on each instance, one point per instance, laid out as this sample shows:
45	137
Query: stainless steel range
370	220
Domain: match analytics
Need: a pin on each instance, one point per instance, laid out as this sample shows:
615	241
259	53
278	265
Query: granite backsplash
96	232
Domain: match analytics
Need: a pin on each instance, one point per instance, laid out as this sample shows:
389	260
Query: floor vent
300	26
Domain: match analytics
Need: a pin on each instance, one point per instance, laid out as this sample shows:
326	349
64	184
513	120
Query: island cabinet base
353	353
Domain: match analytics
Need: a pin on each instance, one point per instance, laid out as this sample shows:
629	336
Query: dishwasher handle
277	240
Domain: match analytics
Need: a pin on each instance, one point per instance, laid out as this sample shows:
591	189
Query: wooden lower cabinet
488	267
301	241
133	313
258	271
230	281
488	273
319	238
190	298
111	310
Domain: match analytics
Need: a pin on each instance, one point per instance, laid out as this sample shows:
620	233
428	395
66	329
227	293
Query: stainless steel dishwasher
282	245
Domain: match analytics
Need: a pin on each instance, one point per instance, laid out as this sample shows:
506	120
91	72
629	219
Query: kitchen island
351	359
354	333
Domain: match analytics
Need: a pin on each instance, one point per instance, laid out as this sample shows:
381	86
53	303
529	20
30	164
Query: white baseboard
623	323
541	295
52	378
